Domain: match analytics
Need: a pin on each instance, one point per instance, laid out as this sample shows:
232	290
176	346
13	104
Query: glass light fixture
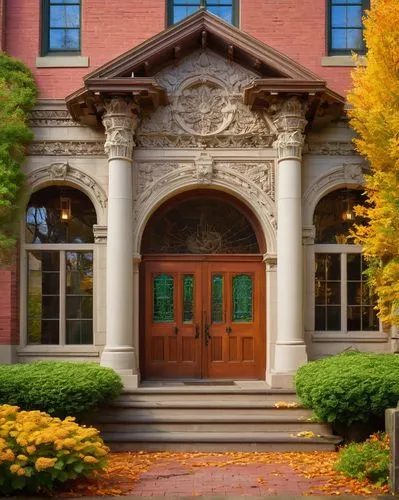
349	213
65	209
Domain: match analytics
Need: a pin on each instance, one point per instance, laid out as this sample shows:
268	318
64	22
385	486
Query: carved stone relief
333	148
204	166
206	108
260	173
67	148
51	118
63	171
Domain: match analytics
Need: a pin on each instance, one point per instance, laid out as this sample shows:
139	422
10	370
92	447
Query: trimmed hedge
349	387
60	389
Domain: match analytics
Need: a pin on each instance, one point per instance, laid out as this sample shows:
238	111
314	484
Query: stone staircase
245	416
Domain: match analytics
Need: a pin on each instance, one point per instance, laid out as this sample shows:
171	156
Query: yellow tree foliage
375	117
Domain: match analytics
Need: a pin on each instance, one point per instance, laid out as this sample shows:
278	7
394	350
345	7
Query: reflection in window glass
180	9
328	292
163	299
63	25
43	297
242	298
59	215
334	216
346	29
79	297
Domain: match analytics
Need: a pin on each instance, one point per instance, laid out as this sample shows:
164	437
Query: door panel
204	319
172	320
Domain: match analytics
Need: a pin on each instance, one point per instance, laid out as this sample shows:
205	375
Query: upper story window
61	27
345	26
180	9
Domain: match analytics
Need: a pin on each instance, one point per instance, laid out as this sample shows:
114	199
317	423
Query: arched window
59	254
343	299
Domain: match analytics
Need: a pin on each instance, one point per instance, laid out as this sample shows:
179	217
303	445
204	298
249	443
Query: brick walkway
172	478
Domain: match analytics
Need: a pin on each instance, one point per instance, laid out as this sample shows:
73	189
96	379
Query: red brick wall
294	27
9	305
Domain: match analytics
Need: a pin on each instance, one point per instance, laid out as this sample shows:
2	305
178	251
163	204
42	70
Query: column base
280	380
289	356
123	360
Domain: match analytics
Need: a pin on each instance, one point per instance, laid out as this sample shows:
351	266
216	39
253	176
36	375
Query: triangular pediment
134	73
199	31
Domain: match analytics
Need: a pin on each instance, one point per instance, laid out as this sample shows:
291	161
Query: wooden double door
204	317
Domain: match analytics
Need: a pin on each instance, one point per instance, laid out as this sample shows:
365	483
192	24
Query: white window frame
61	248
344	333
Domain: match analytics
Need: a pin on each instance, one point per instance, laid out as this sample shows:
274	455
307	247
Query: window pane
338	39
79	297
338	17
67	16
354	293
217	299
354	266
320	318
180	13
56	2
64	39
242	298
353	318
369	319
354	17
188	298
79	332
354	39
226	13
333	318
43	301
333	292
163	298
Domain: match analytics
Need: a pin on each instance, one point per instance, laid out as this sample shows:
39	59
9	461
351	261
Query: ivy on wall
17	98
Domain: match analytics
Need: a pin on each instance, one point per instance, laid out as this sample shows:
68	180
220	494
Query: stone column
290	350
120	123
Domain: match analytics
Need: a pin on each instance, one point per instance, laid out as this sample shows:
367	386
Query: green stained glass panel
163	307
188	298
217	298
242	298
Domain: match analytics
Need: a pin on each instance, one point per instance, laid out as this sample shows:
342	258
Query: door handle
207	332
197	331
229	330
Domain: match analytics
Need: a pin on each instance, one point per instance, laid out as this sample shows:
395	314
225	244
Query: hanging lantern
65	209
349	213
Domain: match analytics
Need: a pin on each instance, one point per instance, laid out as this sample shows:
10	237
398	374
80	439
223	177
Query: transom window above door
225	9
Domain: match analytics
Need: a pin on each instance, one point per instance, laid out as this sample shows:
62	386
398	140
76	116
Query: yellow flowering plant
39	451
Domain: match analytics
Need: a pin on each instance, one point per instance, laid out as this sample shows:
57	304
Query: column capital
290	124
120	122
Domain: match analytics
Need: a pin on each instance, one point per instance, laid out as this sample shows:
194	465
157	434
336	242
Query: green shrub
58	388
349	387
367	460
38	451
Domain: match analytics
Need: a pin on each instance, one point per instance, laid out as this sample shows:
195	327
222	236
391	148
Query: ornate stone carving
100	234
58	170
290	123
271	262
51	118
204	168
260	173
147	174
120	124
206	108
332	148
66	148
67	173
202	107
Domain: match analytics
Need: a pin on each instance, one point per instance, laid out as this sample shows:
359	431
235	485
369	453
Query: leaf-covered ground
193	474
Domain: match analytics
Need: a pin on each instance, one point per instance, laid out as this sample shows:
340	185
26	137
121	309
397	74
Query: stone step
217	441
213	393
167	409
210	424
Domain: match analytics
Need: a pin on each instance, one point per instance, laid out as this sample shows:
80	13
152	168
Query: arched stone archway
203	299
